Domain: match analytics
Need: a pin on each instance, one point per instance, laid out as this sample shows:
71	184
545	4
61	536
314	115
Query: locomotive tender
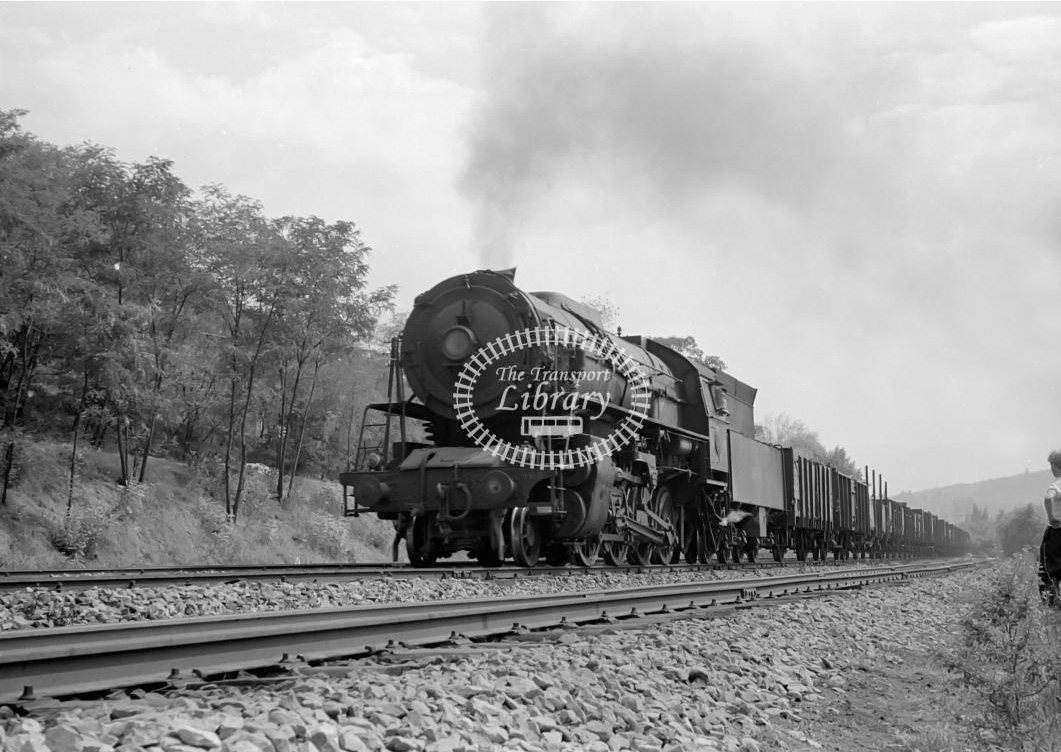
539	434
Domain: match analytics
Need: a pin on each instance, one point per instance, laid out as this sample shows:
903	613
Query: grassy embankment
1007	659
176	517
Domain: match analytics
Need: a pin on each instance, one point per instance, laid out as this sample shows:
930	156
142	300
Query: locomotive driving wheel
641	549
641	552
668	552
644	552
524	537
615	552
586	552
422	551
707	544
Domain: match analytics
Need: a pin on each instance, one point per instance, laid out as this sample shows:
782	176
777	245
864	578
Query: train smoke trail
650	109
509	147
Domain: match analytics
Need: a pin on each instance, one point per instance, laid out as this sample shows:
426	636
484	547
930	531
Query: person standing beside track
1050	548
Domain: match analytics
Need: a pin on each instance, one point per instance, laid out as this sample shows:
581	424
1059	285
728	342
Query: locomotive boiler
532	432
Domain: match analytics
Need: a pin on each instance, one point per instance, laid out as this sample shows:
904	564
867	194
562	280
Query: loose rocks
698	683
42	608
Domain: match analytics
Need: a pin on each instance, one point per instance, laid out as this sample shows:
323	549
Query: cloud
852	205
683	104
302	110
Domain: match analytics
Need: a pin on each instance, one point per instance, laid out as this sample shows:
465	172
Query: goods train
532	433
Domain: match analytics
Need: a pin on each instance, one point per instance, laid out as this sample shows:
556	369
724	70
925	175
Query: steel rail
130	577
62	579
76	660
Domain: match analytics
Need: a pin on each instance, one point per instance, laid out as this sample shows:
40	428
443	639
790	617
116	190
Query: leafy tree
838	458
93	369
34	220
786	431
197	402
59	220
166	284
237	248
108	261
345	386
324	310
387	328
129	303
608	310
789	432
39	221
1019	528
688	347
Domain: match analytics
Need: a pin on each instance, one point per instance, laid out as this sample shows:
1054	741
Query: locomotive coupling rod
644	531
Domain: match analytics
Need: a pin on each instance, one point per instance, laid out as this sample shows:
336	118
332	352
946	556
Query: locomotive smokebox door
450	322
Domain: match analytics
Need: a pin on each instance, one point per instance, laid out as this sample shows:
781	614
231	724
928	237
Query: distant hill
995	495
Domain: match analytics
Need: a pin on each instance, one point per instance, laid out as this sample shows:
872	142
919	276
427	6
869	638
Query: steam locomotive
531	433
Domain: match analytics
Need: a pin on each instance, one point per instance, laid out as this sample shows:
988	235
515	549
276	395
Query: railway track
130	577
77	660
155	577
81	579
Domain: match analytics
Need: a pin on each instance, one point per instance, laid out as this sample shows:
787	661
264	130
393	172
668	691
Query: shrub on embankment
174	518
1009	657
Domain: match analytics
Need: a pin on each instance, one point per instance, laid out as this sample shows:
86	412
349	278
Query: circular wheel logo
538	405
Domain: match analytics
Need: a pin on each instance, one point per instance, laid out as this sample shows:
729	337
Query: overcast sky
857	206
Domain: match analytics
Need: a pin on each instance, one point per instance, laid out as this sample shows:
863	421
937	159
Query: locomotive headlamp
458	343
